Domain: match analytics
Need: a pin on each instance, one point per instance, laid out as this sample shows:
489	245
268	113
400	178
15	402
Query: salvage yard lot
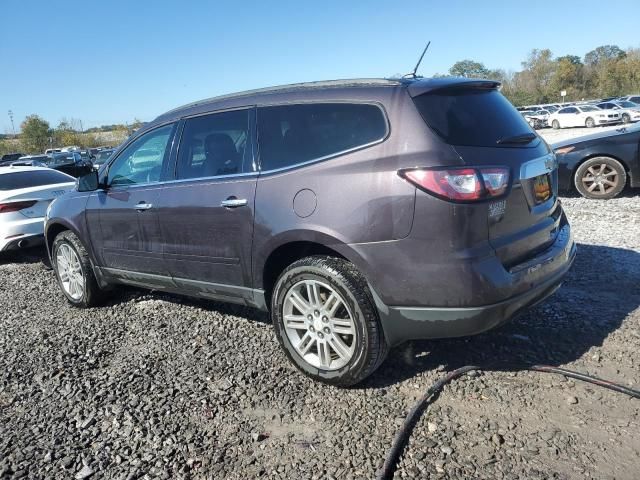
156	386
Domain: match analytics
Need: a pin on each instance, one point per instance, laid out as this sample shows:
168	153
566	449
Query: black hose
402	436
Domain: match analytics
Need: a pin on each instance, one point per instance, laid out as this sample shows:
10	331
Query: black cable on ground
402	436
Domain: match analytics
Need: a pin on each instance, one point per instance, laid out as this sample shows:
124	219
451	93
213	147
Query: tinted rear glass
293	134
13	181
471	117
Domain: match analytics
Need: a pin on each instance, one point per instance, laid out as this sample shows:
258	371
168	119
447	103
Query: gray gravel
155	386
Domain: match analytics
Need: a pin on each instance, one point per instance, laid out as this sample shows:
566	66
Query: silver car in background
25	194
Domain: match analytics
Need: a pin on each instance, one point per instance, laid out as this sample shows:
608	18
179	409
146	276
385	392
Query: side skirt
250	297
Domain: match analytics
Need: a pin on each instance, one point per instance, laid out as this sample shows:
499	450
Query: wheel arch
54	229
282	254
57	226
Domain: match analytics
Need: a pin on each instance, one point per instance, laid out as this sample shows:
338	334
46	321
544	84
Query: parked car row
583	114
72	162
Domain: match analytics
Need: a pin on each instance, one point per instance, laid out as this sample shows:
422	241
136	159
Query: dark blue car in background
599	166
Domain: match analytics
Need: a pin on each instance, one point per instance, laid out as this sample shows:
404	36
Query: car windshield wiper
523	138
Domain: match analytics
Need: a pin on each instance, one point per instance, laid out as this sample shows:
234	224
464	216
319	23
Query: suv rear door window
214	145
471	117
294	134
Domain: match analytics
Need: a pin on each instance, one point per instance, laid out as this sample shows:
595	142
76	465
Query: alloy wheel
70	271
319	324
600	180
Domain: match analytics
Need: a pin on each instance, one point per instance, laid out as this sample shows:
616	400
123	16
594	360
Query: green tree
568	76
469	68
35	134
66	134
604	53
539	69
573	59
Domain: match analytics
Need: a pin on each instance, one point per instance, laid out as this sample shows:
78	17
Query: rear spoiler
420	87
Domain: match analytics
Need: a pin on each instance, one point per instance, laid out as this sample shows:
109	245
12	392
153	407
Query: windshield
471	117
628	104
102	156
63	158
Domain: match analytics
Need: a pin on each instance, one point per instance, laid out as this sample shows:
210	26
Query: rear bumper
24	241
23	233
543	275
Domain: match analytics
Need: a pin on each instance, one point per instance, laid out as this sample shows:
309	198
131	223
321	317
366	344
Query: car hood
587	138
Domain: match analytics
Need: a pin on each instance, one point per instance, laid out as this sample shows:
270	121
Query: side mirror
88	182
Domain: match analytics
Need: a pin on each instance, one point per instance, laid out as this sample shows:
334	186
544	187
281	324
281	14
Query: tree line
36	135
605	71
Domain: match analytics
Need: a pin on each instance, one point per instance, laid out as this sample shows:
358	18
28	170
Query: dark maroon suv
360	213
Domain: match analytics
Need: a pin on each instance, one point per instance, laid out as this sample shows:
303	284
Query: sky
105	62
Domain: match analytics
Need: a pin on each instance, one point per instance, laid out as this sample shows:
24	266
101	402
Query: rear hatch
486	130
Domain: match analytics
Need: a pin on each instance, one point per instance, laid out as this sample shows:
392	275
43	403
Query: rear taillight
460	184
16	206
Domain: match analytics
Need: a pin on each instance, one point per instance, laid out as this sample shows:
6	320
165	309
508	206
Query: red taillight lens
496	180
16	206
460	184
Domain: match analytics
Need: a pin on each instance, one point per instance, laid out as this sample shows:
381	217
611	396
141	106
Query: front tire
74	271
600	178
326	321
590	123
626	118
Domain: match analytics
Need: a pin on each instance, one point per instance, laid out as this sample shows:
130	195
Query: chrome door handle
234	202
141	207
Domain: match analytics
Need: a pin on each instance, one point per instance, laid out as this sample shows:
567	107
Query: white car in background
538	119
25	194
582	116
629	111
630	98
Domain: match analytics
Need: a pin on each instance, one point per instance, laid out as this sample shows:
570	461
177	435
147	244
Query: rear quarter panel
358	197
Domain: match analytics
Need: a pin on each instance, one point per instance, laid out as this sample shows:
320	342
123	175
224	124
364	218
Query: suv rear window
37	178
471	117
294	134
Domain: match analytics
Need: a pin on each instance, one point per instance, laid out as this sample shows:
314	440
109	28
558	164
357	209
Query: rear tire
626	118
74	271
555	124
590	123
600	178
339	345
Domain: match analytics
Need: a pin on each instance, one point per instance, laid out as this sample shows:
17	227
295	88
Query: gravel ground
155	386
